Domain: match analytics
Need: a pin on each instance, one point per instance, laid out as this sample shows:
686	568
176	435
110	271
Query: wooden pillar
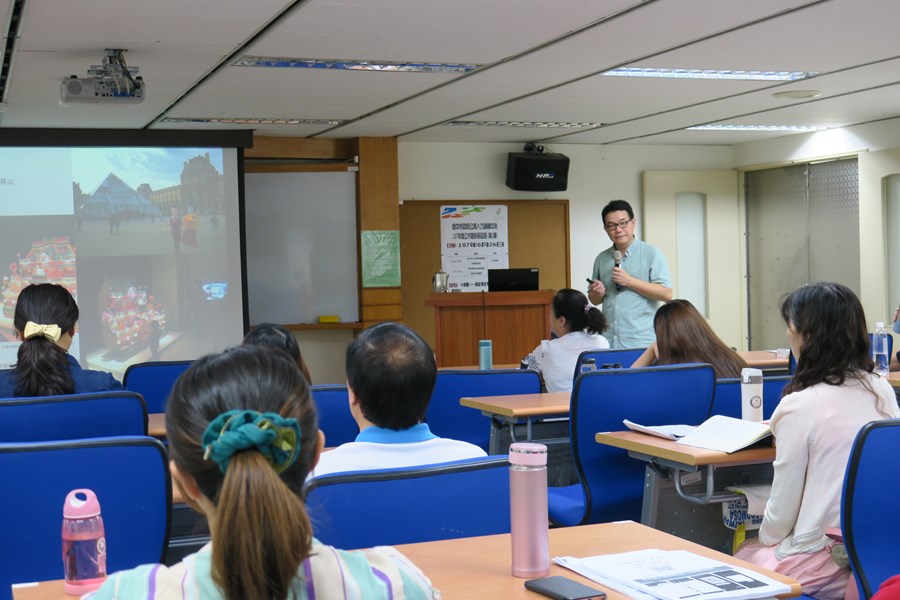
378	208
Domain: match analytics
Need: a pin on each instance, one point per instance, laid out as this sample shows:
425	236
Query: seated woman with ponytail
243	435
45	320
577	325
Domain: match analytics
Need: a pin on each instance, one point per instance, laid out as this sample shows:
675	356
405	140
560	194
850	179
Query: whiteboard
301	246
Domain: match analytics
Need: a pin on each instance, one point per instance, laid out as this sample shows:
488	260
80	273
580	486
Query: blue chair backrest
72	416
360	509
728	396
446	418
335	419
869	505
612	481
154	381
623	356
130	476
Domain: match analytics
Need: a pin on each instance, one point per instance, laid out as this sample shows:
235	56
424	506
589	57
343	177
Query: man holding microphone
630	279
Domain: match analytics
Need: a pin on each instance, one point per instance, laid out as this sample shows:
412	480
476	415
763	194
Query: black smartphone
563	588
590	281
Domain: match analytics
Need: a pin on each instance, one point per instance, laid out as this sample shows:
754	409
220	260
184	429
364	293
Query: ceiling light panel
734	127
531	124
351	65
462	31
253	121
566	60
729	75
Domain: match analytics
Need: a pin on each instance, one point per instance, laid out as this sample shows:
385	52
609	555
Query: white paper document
726	434
673	575
669	432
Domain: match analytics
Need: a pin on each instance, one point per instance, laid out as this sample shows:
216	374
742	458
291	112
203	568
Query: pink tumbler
528	510
83	543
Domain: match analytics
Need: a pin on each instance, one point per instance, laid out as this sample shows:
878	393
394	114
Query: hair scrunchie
587	308
51	332
276	437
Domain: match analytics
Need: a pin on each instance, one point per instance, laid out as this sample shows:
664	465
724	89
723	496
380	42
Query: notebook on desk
513	280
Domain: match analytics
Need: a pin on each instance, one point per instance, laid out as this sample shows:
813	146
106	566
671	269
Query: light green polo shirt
629	314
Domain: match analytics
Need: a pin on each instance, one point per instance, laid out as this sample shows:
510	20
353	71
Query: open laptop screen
513	280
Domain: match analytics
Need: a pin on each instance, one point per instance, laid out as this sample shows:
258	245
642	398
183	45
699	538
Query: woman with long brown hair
833	393
243	435
684	336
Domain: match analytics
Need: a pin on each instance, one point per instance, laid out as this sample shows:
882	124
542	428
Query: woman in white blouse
577	325
832	395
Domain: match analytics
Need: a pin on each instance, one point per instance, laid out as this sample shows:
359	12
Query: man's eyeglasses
613	226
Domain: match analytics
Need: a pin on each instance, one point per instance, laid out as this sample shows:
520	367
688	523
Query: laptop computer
513	280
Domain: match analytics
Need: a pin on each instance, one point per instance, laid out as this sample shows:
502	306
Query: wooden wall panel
378	209
301	148
538	237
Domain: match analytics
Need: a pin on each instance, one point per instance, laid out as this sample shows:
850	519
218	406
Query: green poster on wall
380	258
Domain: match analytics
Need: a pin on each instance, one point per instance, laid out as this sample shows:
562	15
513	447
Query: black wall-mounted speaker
532	172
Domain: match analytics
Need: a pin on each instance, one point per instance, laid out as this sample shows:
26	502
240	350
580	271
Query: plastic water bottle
880	350
588	365
485	355
751	394
83	543
528	510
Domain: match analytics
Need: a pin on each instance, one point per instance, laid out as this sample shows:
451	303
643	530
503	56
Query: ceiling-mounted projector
112	82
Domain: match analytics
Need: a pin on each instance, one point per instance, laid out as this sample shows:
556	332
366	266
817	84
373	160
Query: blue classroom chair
611	483
869	516
72	416
130	476
414	504
727	400
447	418
154	381
623	356
335	419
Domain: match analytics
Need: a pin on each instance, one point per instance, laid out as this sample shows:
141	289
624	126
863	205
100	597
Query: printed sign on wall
473	240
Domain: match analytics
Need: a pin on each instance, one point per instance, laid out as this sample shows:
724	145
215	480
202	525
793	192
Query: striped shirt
327	573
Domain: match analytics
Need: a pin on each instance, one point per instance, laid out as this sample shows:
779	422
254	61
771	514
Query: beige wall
724	240
597	174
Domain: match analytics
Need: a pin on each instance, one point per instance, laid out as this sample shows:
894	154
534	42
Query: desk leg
528	434
662	507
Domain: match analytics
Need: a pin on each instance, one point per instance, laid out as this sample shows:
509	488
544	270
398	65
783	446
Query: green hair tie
276	437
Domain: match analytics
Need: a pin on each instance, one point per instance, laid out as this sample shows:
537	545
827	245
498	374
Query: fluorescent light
709	74
351	65
797	128
538	124
798	94
253	121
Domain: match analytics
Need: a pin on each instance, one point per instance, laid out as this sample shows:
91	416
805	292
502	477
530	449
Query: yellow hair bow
51	332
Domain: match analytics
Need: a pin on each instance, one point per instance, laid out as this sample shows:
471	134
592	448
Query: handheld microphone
617	257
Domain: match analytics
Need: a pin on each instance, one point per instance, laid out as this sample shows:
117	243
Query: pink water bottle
83	543
528	510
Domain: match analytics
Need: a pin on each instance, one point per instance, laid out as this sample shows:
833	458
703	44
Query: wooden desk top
480	567
156	425
894	379
522	405
763	359
651	445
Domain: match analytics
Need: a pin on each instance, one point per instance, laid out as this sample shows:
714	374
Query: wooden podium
515	322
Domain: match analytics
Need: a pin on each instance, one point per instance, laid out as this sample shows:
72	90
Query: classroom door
694	217
802	227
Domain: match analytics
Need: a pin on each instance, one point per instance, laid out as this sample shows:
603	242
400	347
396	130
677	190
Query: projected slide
146	239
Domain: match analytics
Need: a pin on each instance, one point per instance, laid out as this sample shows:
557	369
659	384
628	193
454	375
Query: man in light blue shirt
631	292
391	373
